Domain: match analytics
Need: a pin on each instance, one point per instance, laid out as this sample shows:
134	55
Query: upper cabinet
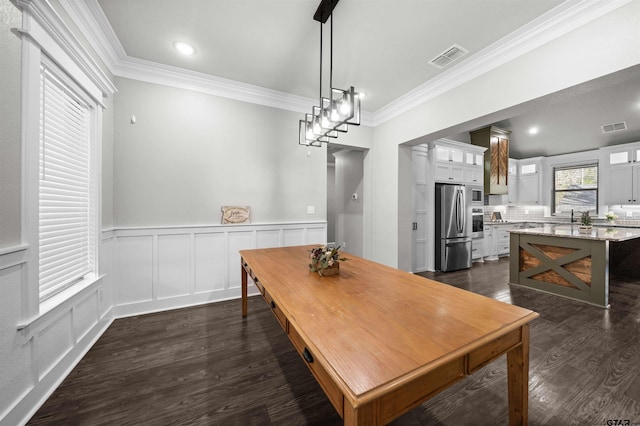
512	196
496	158
529	178
621	174
457	162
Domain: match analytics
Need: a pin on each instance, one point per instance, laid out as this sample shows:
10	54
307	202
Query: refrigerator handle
463	209
459	209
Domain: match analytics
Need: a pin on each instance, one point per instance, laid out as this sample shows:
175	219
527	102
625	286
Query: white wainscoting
144	270
36	358
172	267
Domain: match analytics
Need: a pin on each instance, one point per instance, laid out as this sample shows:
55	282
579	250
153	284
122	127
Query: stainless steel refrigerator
453	227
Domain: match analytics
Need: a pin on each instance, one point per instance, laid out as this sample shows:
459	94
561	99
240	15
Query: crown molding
53	24
93	24
168	75
555	23
566	17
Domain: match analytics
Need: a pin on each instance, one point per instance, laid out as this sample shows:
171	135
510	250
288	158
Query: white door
420	204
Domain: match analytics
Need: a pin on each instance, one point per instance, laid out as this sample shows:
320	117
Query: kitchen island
562	260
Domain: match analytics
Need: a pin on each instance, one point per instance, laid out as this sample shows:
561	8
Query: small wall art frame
236	214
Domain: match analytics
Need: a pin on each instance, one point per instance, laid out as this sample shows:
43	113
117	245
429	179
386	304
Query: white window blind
66	196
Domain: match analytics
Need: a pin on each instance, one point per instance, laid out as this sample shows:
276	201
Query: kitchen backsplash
536	214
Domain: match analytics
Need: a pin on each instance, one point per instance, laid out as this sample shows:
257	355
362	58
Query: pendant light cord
320	98
331	55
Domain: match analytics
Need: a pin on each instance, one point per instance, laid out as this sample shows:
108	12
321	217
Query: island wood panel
570	267
581	268
383	339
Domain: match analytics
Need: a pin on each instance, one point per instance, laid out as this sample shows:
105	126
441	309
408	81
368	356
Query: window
66	183
575	188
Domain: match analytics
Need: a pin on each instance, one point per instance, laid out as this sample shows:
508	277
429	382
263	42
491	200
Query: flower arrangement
611	216
585	219
324	260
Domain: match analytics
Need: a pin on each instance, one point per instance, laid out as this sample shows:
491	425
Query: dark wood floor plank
206	365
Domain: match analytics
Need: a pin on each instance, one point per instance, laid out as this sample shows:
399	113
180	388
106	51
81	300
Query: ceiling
381	47
570	120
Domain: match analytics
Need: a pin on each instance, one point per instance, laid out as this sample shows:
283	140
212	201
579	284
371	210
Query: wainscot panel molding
172	267
43	352
13	256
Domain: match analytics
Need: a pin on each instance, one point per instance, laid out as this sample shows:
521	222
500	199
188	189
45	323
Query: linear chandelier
334	113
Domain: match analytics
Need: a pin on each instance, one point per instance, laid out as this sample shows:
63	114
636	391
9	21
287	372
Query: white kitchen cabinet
623	154
474	159
473	175
623	185
477	249
502	240
445	172
512	184
444	152
622	175
497	240
529	177
490	252
457	162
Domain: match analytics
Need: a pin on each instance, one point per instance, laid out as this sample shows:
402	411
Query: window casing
575	188
66	183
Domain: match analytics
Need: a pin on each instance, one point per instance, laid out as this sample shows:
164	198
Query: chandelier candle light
341	108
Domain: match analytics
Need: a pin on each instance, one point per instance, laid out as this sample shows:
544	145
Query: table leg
368	414
518	380
244	288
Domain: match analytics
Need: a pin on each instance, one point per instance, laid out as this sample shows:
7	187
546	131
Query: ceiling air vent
615	127
453	53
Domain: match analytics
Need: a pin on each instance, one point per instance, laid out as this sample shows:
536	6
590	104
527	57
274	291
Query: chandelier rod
331	55
320	97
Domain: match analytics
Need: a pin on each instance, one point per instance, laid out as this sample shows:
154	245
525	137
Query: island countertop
572	231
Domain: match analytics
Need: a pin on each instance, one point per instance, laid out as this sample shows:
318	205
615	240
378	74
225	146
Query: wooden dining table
381	341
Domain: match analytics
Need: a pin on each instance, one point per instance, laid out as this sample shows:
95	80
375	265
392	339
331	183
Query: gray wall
107	163
10	146
190	153
349	173
331	202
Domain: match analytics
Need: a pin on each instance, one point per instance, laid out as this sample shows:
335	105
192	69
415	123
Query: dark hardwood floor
207	365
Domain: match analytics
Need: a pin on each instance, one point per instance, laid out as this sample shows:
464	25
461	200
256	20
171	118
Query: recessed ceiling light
533	130
184	48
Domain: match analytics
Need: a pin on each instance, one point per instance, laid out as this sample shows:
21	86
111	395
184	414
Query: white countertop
572	231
